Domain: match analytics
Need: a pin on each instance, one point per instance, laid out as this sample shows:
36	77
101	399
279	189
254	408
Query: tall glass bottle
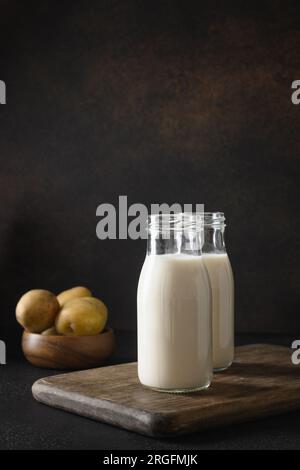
174	307
222	286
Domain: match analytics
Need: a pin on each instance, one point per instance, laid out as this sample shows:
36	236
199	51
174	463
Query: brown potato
36	310
73	293
82	316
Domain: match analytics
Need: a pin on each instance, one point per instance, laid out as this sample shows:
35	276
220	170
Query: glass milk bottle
222	286
174	307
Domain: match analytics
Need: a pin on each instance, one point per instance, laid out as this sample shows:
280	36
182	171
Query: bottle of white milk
222	286
174	307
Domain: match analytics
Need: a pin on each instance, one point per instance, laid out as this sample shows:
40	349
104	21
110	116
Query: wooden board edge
105	411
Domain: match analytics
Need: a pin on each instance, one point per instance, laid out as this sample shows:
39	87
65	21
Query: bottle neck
175	234
214	241
188	242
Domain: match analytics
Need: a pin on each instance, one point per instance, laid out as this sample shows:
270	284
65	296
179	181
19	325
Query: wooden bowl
68	352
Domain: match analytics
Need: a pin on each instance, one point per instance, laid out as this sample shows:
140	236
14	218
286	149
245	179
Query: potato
36	310
82	316
73	293
50	332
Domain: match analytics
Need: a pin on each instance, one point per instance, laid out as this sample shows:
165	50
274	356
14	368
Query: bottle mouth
175	222
185	221
213	218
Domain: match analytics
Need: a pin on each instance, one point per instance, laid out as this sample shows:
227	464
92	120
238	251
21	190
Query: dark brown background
164	101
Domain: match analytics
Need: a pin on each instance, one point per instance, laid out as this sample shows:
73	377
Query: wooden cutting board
261	382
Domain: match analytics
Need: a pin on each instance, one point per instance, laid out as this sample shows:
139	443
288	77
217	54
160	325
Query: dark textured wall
175	101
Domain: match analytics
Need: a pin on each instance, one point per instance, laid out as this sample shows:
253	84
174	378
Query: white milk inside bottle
222	287
174	310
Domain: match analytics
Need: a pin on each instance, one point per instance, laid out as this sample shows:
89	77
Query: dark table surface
27	424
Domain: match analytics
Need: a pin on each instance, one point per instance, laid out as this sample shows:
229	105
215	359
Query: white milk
174	323
222	286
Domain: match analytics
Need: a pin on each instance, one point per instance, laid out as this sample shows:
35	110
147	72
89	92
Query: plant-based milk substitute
174	316
222	286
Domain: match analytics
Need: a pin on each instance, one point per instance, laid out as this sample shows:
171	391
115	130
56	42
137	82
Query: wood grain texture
68	352
262	381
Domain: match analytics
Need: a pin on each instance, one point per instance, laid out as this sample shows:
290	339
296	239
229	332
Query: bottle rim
183	220
175	222
214	218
